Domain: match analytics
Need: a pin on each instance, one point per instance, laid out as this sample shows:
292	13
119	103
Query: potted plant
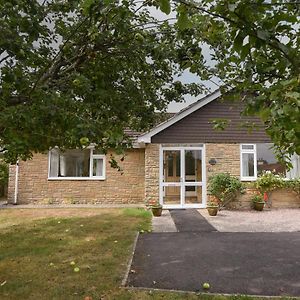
212	208
258	202
156	208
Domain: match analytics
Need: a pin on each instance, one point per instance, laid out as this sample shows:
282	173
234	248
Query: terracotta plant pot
259	205
156	211
212	210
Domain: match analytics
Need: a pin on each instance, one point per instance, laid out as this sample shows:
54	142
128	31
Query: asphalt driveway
234	263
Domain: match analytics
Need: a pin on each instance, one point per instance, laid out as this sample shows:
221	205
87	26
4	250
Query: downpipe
16	184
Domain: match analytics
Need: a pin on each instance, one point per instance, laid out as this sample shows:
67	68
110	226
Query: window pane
54	163
247	164
171	166
193	194
71	163
247	147
267	161
193	165
177	166
98	167
171	195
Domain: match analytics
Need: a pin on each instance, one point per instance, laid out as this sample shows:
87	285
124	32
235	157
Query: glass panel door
172	177
182	176
193	193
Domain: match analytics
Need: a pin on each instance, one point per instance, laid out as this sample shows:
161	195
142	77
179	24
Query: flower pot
156	211
258	205
212	210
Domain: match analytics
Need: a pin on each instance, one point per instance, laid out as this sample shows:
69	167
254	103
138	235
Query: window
256	159
76	164
267	161
248	159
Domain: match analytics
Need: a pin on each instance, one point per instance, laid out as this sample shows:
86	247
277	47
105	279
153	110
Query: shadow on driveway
233	263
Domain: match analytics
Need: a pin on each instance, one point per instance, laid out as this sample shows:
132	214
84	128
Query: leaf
165	6
220	124
264	114
245	51
86	6
183	21
238	41
293	95
232	7
263	35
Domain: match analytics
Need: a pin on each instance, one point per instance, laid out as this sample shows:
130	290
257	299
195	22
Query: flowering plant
154	203
269	181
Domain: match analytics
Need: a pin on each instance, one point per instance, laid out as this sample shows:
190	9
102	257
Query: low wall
281	198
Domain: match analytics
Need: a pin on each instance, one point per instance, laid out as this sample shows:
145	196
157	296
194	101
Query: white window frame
249	151
254	151
91	177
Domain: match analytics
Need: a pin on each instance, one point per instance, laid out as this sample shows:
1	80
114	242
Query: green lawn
37	247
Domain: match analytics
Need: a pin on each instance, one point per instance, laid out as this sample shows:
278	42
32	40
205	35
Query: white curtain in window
295	171
245	162
98	167
54	163
62	165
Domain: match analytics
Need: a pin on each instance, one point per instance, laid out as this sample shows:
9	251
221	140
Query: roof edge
146	137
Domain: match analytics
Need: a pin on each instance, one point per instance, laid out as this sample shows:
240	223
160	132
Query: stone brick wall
152	172
117	188
227	158
278	199
285	199
139	182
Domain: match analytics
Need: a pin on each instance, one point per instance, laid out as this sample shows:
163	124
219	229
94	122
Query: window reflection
267	161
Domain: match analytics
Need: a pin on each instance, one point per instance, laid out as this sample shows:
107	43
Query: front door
182	177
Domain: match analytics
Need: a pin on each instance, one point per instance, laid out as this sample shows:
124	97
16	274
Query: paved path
164	223
241	263
190	220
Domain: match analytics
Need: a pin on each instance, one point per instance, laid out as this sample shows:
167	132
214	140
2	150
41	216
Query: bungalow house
171	163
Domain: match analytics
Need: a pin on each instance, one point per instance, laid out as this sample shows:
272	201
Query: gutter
16	184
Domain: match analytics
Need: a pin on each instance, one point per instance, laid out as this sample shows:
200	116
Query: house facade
170	164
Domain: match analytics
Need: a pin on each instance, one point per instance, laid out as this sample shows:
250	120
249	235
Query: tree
116	66
80	72
255	51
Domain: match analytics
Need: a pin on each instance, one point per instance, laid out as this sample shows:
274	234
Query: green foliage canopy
116	65
255	48
74	71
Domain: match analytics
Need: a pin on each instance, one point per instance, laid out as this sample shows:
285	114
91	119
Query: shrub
293	184
3	177
225	187
268	182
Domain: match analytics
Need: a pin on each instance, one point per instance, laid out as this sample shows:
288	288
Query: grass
38	246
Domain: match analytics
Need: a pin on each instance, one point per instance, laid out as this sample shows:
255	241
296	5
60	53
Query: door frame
182	184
